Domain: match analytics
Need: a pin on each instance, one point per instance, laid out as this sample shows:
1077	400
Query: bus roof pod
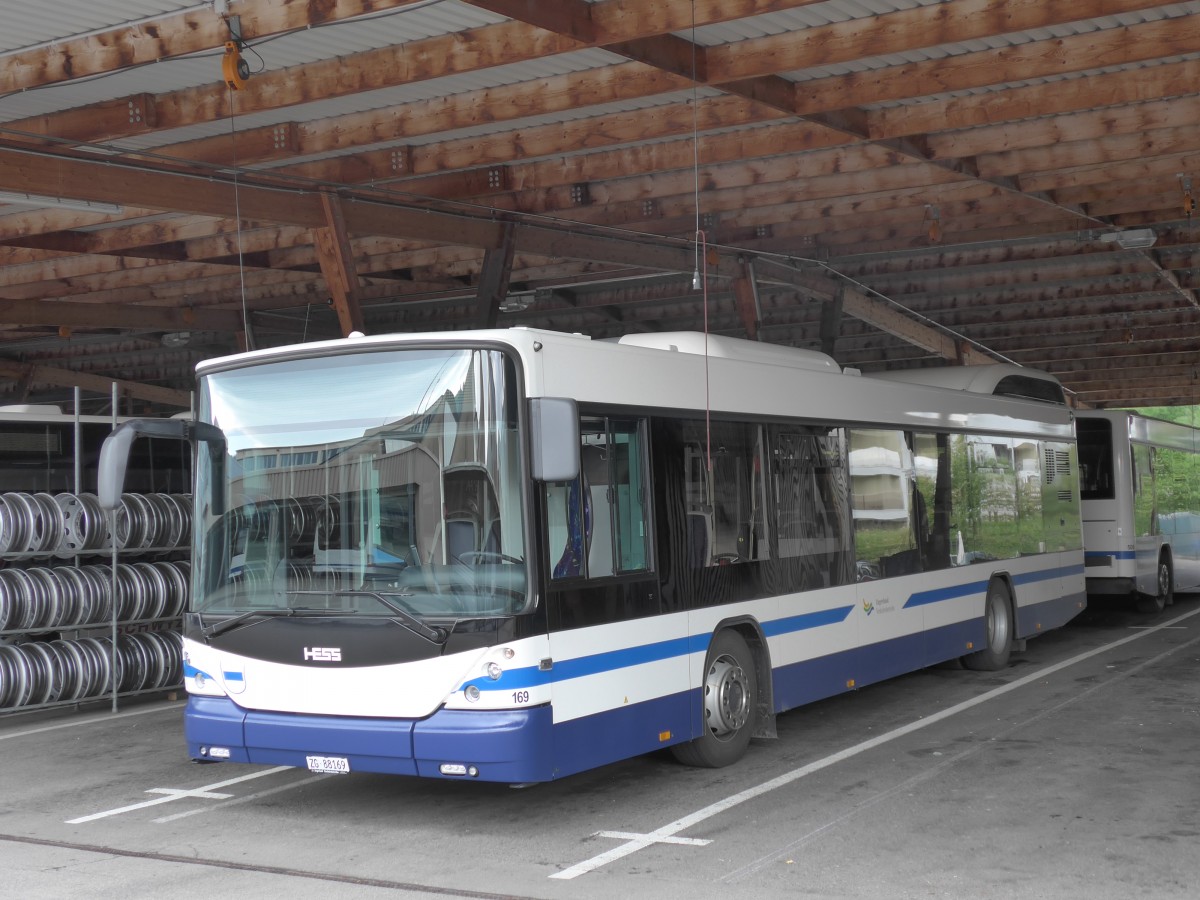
740	349
998	379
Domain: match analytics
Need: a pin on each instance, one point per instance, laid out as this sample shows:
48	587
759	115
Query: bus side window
598	525
725	493
812	509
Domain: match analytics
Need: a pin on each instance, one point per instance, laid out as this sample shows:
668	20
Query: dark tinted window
1095	459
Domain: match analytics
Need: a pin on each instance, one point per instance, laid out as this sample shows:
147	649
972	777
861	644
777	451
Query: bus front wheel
998	617
730	692
1164	585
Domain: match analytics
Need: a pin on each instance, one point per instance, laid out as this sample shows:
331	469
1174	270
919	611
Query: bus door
1147	540
619	671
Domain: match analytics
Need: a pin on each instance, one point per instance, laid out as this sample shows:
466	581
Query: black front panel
360	642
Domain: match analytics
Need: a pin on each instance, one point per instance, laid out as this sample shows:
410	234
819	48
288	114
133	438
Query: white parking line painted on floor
929	774
206	792
240	800
641	841
90	720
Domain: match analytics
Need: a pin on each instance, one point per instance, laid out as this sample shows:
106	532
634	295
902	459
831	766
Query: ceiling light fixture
1135	239
516	303
39	201
176	339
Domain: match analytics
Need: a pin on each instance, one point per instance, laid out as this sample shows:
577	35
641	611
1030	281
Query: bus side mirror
554	439
114	454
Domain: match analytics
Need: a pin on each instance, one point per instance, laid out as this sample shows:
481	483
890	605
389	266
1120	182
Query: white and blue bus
514	555
1140	489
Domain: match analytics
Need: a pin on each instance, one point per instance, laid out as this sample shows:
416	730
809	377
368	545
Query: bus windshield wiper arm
240	619
403	617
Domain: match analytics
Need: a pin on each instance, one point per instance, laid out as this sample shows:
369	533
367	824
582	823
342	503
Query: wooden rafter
337	265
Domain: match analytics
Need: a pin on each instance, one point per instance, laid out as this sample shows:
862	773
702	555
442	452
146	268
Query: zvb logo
323	654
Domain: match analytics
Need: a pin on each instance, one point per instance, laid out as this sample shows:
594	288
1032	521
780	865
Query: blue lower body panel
1041	617
815	679
511	746
506	745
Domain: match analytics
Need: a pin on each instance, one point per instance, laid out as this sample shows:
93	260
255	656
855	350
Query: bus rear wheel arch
1001	626
730	694
1164	585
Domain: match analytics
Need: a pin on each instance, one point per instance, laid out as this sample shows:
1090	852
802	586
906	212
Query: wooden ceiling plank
368	70
1178	112
191	31
1105	89
952	22
985	68
1085	177
1117	147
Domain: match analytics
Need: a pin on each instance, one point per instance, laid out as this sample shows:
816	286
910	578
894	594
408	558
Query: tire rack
44	597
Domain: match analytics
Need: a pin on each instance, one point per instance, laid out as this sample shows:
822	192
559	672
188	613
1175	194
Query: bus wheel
998	614
730	702
1166	589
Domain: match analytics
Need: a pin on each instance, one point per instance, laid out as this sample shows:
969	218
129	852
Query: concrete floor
1074	773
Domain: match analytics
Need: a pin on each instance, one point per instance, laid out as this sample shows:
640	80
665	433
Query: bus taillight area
507	746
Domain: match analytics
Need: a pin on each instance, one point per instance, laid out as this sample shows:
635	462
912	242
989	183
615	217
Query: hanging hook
933	216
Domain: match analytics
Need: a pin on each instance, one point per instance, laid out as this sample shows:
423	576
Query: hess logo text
323	654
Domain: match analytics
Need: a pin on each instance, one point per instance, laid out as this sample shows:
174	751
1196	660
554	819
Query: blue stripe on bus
635	656
599	663
1047	574
1115	554
806	620
937	595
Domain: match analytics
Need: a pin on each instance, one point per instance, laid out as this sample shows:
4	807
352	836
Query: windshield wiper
403	616
240	619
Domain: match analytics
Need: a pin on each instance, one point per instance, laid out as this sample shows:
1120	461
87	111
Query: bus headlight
472	693
494	671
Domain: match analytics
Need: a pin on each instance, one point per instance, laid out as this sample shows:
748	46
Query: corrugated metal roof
27	24
338	39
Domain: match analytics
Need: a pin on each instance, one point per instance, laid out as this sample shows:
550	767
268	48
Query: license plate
337	765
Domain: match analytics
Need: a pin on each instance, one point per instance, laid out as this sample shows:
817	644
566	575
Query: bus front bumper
511	746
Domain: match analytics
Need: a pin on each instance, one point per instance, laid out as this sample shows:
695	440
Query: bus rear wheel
998	616
1165	587
730	705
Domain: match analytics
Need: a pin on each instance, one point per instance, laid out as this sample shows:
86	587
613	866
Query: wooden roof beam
98	315
25	373
337	264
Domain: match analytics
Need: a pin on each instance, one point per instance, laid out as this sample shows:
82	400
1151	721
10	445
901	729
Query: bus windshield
363	483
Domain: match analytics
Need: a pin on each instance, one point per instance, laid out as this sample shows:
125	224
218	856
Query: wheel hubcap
997	625
726	696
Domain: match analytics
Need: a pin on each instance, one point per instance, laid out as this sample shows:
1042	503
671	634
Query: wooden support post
24	383
494	275
831	322
337	265
745	292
